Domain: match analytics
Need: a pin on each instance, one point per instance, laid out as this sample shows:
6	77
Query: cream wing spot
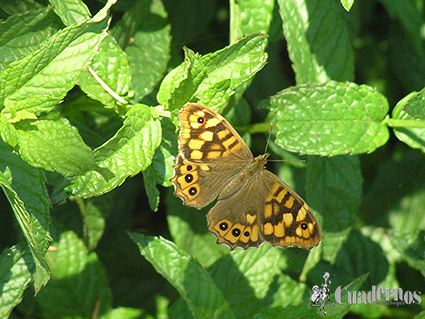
279	230
282	193
213	122
288	219
196	155
213	154
290	202
250	219
207	136
268	211
268	229
275	187
223	134
195	144
302	214
229	142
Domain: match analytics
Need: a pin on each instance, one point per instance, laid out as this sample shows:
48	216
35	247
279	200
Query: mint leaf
318	41
14	279
192	281
125	154
325	120
54	146
50	71
79	284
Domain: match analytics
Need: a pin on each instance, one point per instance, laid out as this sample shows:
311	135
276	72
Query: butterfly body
253	205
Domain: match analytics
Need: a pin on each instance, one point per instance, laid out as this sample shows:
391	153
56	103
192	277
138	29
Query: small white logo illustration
319	295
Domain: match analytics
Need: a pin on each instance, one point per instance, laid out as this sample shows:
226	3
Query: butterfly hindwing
286	219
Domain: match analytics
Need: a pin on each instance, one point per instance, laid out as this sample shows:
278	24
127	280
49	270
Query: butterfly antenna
268	139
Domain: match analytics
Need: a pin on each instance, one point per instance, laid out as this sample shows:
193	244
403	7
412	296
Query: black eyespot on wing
236	232
193	191
188	178
224	226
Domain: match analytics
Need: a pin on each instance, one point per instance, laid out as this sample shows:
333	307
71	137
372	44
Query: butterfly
254	205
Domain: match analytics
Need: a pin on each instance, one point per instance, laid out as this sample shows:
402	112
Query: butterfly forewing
207	137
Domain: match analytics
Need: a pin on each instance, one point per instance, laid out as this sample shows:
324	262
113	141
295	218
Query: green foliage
88	126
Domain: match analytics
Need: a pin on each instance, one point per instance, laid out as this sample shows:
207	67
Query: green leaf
359	256
22	34
54	146
416	106
182	82
238	63
407	217
111	66
124	313
25	189
29	184
330	119
347	4
406	59
188	227
8	131
33	228
288	292
70	11
79	285
411	19
125	154
318	41
408	129
14	279
334	189
249	16
92	211
49	72
144	32
165	154
421	315
192	281
200	78
411	247
149	181
250	273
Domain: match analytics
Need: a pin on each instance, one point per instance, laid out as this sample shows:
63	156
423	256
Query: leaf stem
106	87
405	123
256	128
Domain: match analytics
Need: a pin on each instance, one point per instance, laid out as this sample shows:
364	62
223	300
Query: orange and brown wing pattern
211	154
287	220
235	220
206	136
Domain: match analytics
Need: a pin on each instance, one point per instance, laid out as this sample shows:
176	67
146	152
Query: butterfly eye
304	226
200	120
188	178
192	191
